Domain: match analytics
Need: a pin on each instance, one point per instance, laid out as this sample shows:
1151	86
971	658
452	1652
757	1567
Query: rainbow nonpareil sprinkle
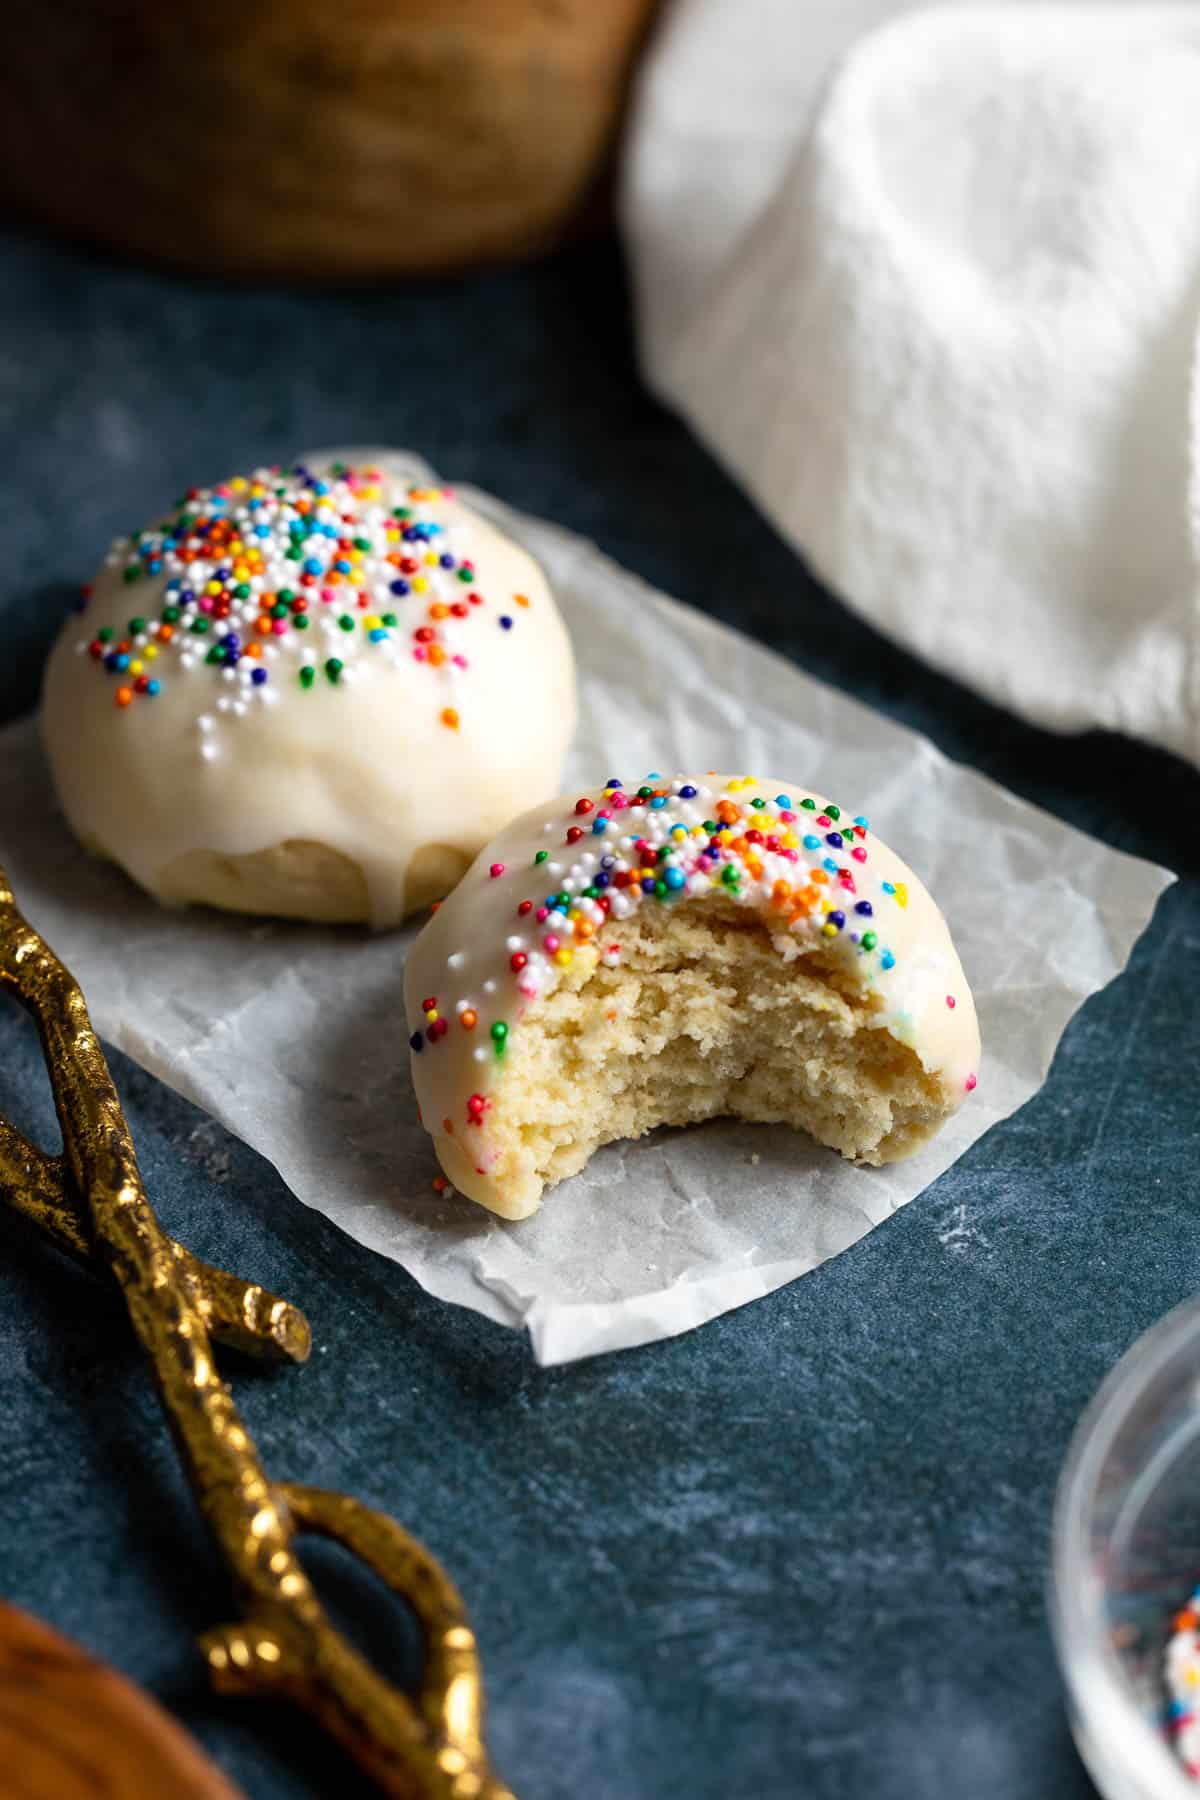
291	575
800	860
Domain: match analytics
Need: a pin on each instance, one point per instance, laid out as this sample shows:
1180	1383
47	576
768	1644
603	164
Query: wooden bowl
362	138
72	1729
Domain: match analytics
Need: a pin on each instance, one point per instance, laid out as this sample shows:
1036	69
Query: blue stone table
801	1552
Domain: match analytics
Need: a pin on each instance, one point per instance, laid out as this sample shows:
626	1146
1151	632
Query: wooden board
73	1729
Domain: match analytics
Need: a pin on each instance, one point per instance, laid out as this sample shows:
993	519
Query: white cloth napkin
937	308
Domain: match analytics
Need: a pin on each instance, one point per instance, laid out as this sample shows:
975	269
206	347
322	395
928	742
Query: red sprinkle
496	870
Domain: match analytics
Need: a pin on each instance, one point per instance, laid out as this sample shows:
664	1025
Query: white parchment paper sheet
294	1036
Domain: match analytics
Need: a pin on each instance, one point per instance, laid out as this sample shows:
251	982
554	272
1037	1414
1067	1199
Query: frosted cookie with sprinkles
673	951
309	692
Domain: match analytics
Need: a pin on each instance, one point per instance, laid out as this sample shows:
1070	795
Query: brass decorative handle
92	1203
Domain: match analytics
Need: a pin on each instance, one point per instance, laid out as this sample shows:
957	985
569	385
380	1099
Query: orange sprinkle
124	696
450	718
448	1127
437	656
263	626
433	905
439	610
470	1018
166	633
818	876
584	929
727	812
440	1184
781	892
521	599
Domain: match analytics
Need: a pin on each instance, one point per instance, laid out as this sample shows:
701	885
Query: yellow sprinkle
563	957
680	831
150	652
419	584
212	587
135	668
430	560
902	893
829	930
431	1014
239	484
373	622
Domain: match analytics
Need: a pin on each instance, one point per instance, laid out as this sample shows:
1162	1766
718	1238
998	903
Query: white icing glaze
463	961
411	743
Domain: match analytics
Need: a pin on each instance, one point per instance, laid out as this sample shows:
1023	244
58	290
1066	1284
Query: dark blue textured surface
798	1553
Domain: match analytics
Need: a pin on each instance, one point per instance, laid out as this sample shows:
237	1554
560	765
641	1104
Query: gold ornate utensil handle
91	1201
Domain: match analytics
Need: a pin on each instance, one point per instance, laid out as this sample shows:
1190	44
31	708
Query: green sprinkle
215	655
333	668
729	875
105	634
307	676
346	622
361	543
539	858
833	812
661	890
279	610
710	826
644	793
466	574
170	615
293	553
339	468
809	805
591	893
242	590
499	1036
300	622
869	940
758	803
132	571
288	594
199	625
388	618
136	625
402	512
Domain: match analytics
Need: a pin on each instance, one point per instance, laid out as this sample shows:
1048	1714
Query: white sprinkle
514	943
456	960
204	722
489	986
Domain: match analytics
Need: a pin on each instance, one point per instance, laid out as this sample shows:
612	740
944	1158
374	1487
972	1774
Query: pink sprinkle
328	596
787	818
792	855
971	1084
542	914
824	822
618	802
528	988
460	662
419	654
495	870
551	943
858	853
951	1002
279	626
206	604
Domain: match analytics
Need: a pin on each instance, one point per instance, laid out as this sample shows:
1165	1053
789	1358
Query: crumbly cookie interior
704	1015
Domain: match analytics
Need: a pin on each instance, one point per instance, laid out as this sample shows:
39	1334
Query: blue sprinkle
341	565
416	1041
834	839
258	677
658	801
602	880
829	864
230	641
674	878
262	531
154	687
888	887
887	960
599	827
654	775
410	534
399	588
311	566
865	908
836	918
505	622
784	800
378	633
811	841
122	661
647	887
686	792
446	560
612	782
861	821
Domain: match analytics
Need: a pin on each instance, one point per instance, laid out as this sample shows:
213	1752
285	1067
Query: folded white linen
938	309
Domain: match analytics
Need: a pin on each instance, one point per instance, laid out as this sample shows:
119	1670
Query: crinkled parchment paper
294	1036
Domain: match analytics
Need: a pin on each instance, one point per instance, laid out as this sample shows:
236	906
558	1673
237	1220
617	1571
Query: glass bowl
1127	1558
